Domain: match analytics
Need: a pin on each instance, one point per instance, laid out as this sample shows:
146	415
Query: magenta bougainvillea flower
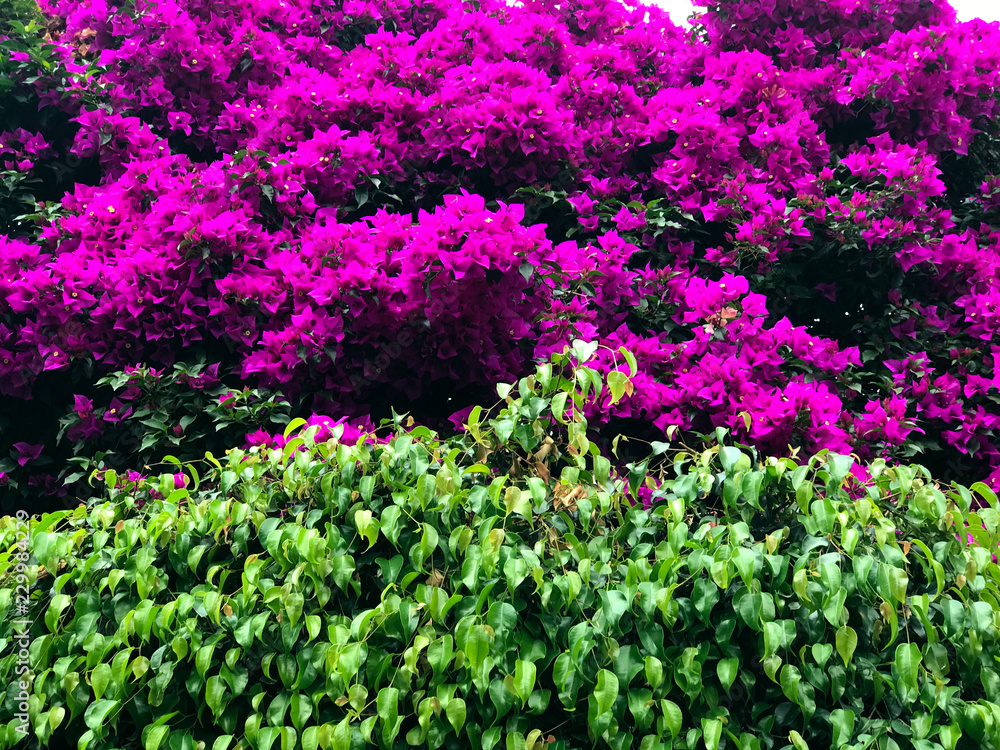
380	202
27	453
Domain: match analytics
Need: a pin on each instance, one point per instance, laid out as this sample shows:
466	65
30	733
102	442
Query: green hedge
501	589
24	11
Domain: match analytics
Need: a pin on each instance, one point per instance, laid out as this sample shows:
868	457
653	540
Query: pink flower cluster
328	428
325	199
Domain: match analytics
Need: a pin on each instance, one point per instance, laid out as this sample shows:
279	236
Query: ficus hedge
506	588
789	211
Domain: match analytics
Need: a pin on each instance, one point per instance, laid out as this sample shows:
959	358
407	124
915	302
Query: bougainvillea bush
507	588
790	213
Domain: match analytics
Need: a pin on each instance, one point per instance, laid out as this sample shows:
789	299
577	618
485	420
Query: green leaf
790	679
704	596
342	571
842	721
614	604
56	716
215	689
491	737
293	607
774	637
981	616
743	558
797	741
839	467
907	662
155	737
293	425
288	669
477	647
954	617
97	712
56	606
301	710
630	358
524	680
606	691
426	486
313	626
985	492
583	350
456	714
833	605
847	642
821	653
712	732
99	679
771	664
558	406
729	456
654	672
799	582
727	670
949	735
673	716
898	581
618	382
387	704
266	737
203	659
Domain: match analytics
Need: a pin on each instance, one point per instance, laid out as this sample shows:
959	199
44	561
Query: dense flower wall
789	214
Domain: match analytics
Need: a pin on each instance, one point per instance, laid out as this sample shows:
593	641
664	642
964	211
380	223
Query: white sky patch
988	10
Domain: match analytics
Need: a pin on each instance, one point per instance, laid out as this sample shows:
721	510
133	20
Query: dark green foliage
132	420
24	11
500	589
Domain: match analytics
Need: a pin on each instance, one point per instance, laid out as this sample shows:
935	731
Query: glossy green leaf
617	382
822	652
456	713
743	559
790	678
342	571
606	691
771	665
842	721
155	737
215	689
727	670
477	647
57	604
847	643
654	671
673	716
898	581
99	680
97	712
524	680
301	709
266	737
907	661
711	730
